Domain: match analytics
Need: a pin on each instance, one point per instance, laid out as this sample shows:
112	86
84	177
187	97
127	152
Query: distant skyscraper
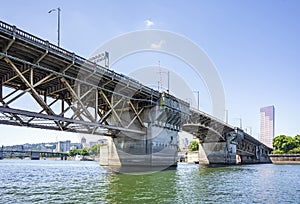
267	124
83	142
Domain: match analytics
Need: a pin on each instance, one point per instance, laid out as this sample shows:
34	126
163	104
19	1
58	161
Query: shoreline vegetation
284	144
91	151
286	150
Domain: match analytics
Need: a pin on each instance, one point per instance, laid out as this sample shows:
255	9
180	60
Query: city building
76	146
83	142
267	125
64	146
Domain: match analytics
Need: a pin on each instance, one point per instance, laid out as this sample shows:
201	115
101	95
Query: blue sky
254	45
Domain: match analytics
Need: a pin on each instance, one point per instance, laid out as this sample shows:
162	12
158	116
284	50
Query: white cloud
149	23
158	45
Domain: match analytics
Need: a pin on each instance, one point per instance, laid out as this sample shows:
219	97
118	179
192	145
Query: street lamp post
250	129
58	24
241	125
198	98
226	112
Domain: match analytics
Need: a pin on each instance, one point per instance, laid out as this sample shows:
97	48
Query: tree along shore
284	144
93	150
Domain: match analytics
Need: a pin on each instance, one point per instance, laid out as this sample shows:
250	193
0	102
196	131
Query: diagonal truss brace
33	92
112	108
137	116
78	99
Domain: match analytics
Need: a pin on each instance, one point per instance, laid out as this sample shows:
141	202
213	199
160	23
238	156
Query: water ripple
87	182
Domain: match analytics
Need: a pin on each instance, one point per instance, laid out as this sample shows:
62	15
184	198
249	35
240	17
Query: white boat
83	158
78	157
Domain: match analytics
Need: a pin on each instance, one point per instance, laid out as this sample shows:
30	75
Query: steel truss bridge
34	154
71	93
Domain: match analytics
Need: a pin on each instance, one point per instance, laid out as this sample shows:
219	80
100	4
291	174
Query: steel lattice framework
91	98
88	95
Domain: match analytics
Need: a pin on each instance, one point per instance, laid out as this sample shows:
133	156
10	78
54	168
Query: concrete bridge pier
220	152
217	153
155	140
157	148
35	156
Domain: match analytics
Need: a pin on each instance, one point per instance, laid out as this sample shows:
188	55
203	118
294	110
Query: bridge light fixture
58	23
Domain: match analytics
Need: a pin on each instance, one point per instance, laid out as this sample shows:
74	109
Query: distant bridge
32	154
76	95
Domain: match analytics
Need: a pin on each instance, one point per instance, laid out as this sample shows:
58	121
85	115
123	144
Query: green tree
290	144
297	138
194	146
277	151
278	143
84	152
95	149
74	152
295	150
284	144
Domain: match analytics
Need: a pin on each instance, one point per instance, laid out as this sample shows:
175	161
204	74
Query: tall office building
267	124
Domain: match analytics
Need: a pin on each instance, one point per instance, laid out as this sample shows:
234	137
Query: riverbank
285	158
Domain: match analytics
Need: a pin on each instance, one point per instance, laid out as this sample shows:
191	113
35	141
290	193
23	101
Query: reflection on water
86	182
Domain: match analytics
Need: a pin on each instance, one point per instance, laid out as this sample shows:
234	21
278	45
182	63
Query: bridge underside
221	143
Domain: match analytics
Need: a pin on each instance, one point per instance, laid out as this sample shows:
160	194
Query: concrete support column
109	154
158	148
35	155
217	153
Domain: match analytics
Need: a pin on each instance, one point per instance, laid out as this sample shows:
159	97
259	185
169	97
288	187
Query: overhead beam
9	44
57	118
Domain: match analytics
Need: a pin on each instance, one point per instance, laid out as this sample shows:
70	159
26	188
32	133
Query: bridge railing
44	44
212	117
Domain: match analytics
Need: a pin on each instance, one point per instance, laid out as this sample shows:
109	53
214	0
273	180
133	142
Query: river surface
25	181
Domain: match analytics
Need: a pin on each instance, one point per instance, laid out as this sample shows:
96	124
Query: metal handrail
212	117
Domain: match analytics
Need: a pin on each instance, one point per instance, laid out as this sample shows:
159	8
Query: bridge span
71	93
32	154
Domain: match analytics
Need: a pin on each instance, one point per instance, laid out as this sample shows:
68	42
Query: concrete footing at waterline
212	154
285	158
